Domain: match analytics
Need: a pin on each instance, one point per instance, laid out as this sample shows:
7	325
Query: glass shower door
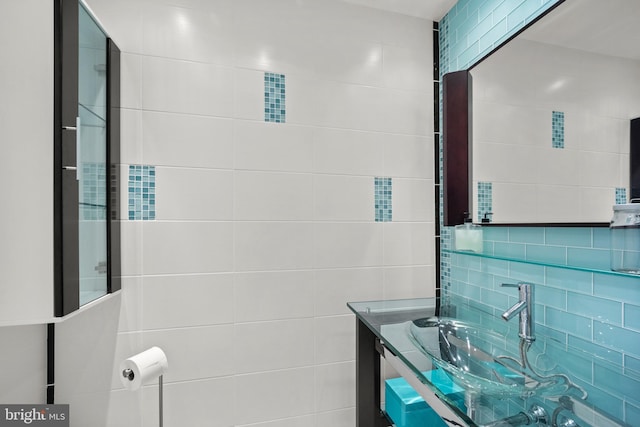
91	152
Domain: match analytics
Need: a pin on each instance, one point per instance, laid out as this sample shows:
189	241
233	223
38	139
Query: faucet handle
515	285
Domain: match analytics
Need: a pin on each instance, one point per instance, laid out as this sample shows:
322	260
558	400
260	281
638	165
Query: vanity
472	368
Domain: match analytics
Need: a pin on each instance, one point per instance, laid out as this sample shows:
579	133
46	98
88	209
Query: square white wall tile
194	403
336	386
194	194
343	198
187	247
259	145
273	295
187	87
187	300
187	140
335	287
413	200
348	152
274	395
268	346
347	245
409	282
194	353
335	339
409	243
273	196
273	246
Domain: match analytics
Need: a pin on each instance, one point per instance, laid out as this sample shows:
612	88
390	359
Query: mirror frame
457	146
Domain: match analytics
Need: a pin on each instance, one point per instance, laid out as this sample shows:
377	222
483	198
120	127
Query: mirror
551	117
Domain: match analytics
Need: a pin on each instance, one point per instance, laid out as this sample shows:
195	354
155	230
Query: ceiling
432	10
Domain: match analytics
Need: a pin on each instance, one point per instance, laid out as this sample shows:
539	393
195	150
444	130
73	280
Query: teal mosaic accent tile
621	196
485	200
557	129
93	192
142	192
597	308
274	98
383	192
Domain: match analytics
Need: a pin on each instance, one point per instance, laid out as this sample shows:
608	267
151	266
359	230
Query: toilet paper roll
143	367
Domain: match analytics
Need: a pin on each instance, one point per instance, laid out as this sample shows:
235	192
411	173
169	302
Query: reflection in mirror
551	116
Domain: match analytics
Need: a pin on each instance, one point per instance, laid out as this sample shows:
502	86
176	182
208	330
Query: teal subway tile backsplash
612	381
632	316
598	308
274	98
617	338
594	312
570	323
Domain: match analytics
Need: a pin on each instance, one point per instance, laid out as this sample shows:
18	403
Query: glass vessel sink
482	361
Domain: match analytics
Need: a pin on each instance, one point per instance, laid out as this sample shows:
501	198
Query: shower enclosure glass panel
91	152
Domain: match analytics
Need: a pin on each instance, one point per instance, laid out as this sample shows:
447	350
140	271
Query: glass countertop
391	321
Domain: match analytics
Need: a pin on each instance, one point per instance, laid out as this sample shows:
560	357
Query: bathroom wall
252	216
594	312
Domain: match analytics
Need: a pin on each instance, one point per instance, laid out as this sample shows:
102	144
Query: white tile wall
264	231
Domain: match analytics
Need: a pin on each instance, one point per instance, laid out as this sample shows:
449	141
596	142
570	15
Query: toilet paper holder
149	363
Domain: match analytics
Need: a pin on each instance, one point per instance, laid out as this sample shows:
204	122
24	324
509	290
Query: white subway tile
194	403
408	156
273	395
131	305
335	339
131	247
208	302
193	194
348	152
23	364
413	200
187	87
338	418
187	247
304	421
248	94
124	408
122	20
194	353
185	33
409	282
131	81
408	67
347	245
275	295
268	346
334	288
131	136
336	385
259	145
343	198
187	140
409	243
273	196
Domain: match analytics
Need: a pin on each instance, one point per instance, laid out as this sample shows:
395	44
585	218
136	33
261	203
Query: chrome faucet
524	307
